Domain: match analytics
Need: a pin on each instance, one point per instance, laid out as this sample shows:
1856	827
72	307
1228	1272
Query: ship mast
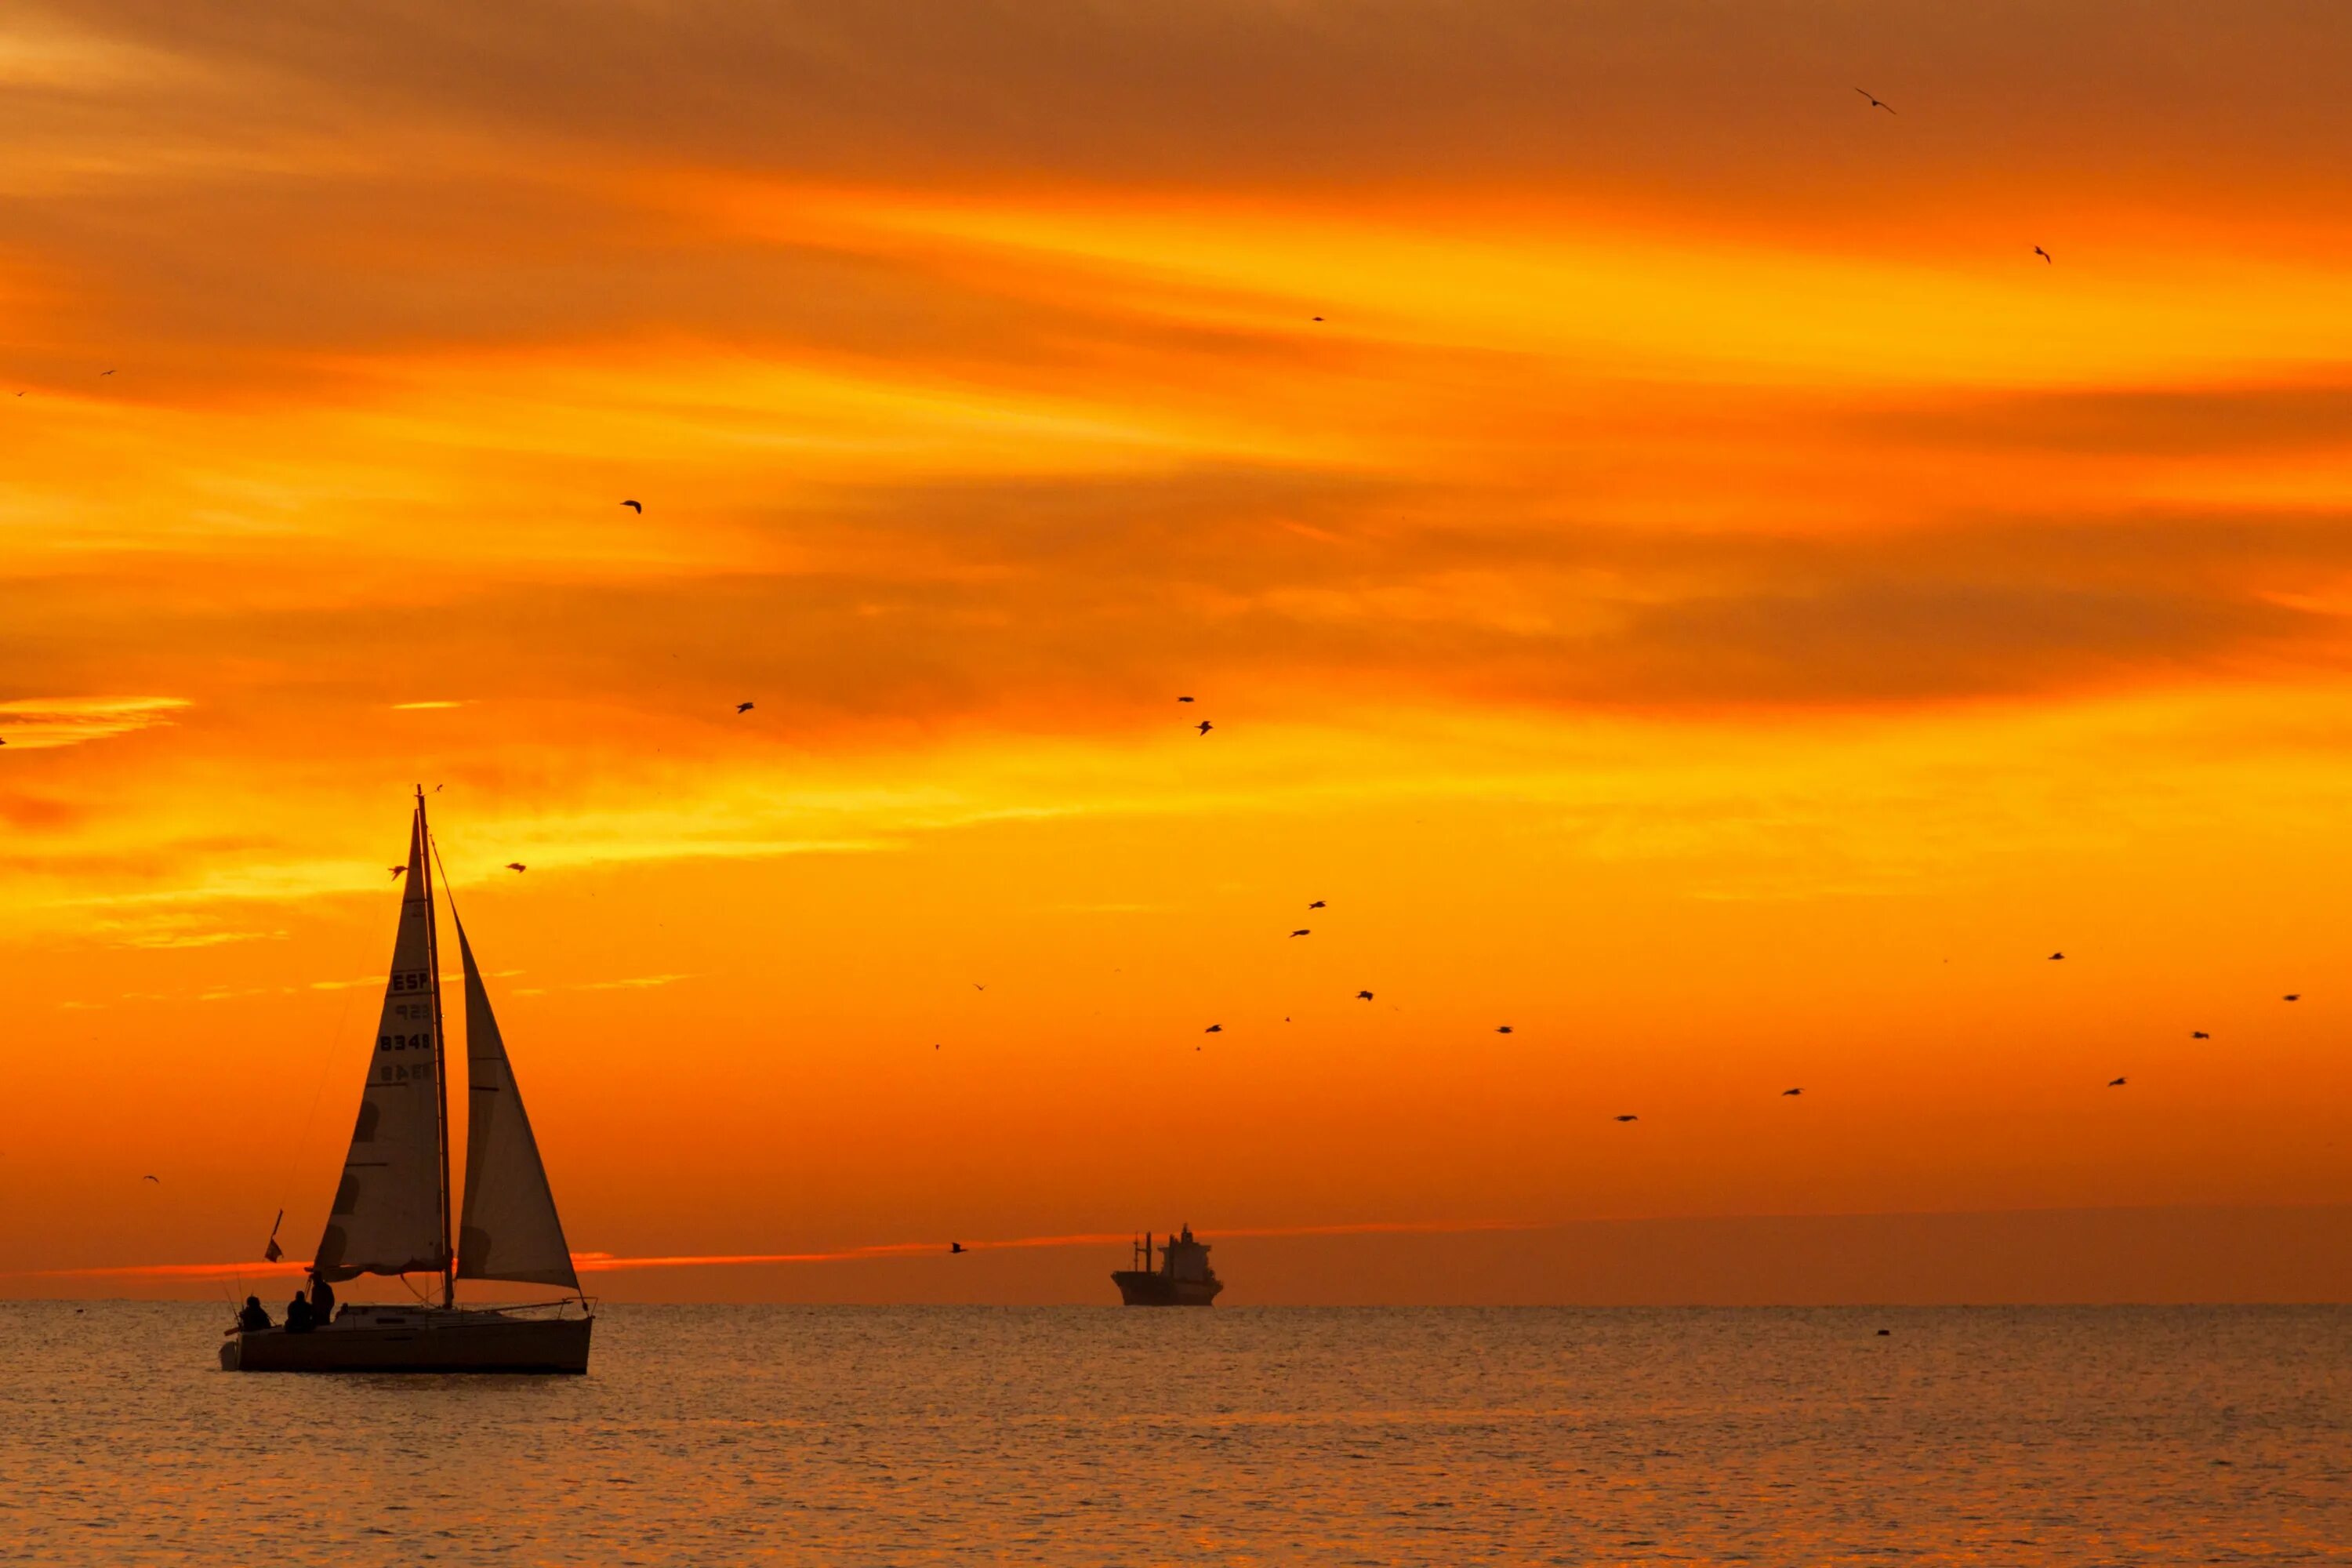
440	1057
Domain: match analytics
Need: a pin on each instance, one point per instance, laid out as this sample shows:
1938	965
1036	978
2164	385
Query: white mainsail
509	1230
388	1216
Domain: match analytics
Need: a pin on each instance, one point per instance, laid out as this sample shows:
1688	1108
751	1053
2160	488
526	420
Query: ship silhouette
1182	1279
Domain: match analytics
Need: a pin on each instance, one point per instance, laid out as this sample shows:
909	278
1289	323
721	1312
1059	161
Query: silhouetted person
255	1315
298	1315
322	1298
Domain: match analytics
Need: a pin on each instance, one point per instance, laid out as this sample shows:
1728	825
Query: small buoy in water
1883	1333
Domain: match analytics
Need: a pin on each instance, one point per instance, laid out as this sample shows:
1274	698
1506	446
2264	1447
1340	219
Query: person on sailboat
298	1315
323	1298
255	1315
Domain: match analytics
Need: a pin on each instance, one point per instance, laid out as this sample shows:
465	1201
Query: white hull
378	1339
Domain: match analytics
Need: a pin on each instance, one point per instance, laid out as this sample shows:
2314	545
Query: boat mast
440	1055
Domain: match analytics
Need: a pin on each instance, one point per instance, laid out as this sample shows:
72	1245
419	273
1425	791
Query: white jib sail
387	1209
509	1230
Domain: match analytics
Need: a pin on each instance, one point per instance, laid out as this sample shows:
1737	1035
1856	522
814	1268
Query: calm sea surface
720	1435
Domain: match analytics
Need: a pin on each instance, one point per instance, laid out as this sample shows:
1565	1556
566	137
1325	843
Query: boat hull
417	1341
1139	1288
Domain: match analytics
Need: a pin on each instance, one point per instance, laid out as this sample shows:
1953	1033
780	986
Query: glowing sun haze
1664	559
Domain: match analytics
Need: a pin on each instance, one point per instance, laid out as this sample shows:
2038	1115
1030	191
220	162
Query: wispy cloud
636	982
42	723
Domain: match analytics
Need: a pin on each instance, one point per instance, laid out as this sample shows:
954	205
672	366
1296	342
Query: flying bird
2043	254
517	866
1629	1119
1215	1029
2291	996
157	1180
1316	905
2198	1035
1787	1092
2114	1083
1318	318
1363	996
635	506
2056	956
954	1247
935	1045
1204	726
742	708
398	872
1875	102
105	372
1502	1028
1302	932
976	986
1183	699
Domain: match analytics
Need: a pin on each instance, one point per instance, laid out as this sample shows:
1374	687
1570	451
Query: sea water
724	1435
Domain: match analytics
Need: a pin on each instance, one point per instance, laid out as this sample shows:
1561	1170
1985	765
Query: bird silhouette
2198	1035
1629	1119
2056	956
935	1045
1316	905
1204	726
105	372
2291	996
976	986
1502	1028
1875	102
157	1180
398	872
2114	1083
1318	318
517	866
1302	932
1183	699
742	708
635	506
1787	1092
2043	254
1215	1029
954	1247
1363	996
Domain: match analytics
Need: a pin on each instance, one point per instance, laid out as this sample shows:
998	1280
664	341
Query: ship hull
417	1341
1140	1288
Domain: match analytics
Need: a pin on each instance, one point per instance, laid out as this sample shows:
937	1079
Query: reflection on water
717	1435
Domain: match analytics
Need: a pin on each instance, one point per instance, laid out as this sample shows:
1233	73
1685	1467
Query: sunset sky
1665	561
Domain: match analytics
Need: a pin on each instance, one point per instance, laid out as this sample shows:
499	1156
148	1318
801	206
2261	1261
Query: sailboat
391	1209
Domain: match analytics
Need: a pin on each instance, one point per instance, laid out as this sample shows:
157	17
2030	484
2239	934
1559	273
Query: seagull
1204	726
439	788
105	372
1316	905
742	708
2114	1083
2198	1035
2291	996
517	866
1318	318
1215	1029
976	986
1787	1092
158	1181
1363	996
398	872
1874	103
1502	1028
935	1045
954	1246
1629	1119
2056	956
634	506
2045	254
1302	932
1183	699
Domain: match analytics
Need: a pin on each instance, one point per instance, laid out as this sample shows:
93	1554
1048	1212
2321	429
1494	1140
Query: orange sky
1705	595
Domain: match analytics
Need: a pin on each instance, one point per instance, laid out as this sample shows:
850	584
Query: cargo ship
1183	1278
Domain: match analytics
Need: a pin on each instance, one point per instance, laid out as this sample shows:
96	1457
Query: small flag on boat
273	1252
